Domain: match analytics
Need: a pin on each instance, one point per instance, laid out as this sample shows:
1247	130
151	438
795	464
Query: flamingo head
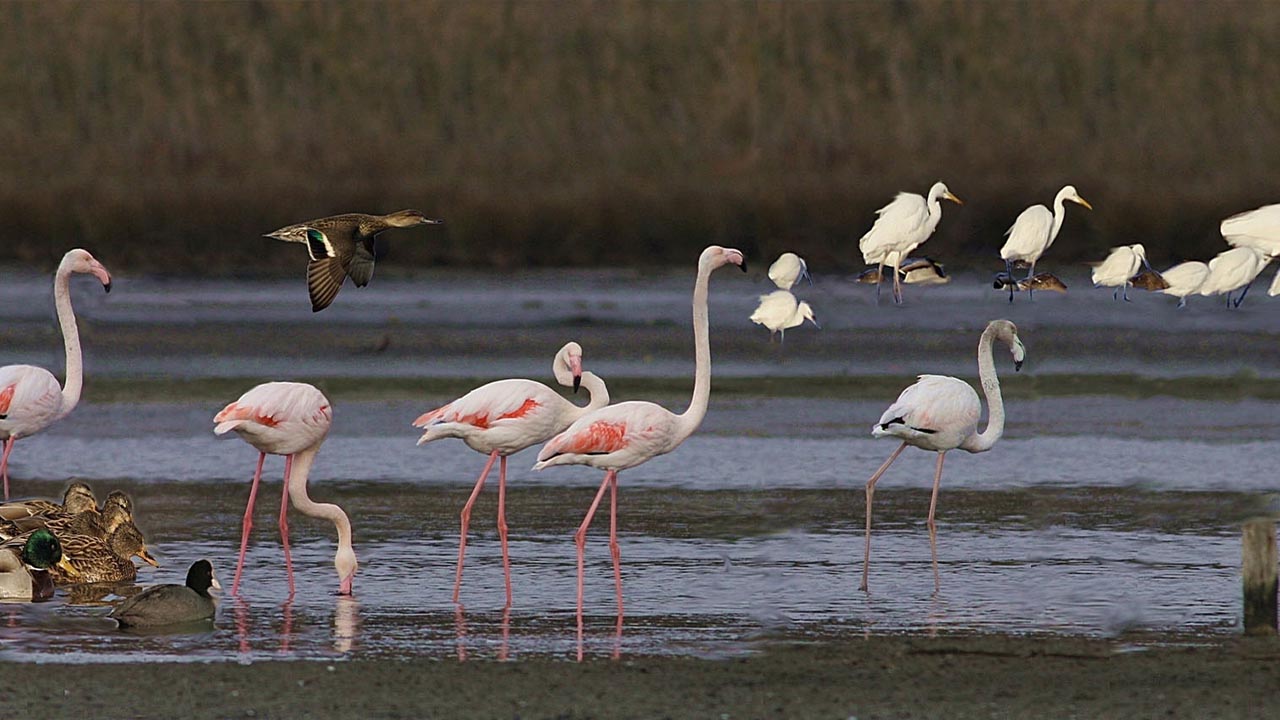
716	256
80	261
345	562
567	366
1007	332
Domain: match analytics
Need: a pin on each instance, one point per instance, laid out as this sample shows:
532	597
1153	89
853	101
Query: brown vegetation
171	135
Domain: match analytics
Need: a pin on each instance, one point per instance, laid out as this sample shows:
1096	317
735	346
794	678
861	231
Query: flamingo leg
4	463
502	527
284	522
580	538
466	521
614	548
871	491
933	529
247	523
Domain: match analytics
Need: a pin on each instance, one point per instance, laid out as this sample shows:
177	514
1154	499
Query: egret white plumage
1233	269
779	310
1185	279
1119	266
788	269
901	227
941	413
1275	285
1258	228
1035	230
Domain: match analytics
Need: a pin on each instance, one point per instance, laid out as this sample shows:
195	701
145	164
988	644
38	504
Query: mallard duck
92	560
912	271
171	604
116	509
1039	281
24	568
77	498
341	246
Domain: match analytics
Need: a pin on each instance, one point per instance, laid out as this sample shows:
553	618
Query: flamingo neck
301	468
596	388
74	380
981	442
691	418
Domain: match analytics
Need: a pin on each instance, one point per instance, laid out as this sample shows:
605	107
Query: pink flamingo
290	419
625	435
30	397
941	413
503	418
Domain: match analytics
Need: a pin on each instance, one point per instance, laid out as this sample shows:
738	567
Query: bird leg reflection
286	628
460	631
871	491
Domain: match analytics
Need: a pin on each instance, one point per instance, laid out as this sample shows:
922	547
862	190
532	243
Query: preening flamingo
787	270
941	413
901	226
30	397
342	246
625	435
505	417
1034	231
290	419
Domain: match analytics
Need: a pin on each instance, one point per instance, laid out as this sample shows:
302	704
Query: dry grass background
170	136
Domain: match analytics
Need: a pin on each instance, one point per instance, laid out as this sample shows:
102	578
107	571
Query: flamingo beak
1017	365
575	366
101	273
344	587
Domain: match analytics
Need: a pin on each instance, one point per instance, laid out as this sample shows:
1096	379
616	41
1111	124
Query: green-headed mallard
342	245
24	566
92	560
171	604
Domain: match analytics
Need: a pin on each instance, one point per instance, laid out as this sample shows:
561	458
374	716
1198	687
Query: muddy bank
880	677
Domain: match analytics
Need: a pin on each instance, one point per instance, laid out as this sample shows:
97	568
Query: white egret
1035	230
901	226
779	310
1185	279
1119	266
787	269
1258	228
1233	269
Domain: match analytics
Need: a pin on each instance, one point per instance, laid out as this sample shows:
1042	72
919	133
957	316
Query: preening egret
1258	229
30	397
941	413
901	226
625	435
290	419
1119	267
1233	269
788	269
504	417
341	246
1035	230
779	310
1185	279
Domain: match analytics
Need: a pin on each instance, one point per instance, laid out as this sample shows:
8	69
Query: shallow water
1099	513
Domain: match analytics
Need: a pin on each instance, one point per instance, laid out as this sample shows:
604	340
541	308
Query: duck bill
146	557
65	565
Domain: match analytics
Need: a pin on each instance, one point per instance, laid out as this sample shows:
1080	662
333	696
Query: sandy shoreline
876	677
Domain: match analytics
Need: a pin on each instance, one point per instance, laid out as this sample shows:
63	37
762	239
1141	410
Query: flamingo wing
639	429
1029	235
278	405
30	398
934	404
503	401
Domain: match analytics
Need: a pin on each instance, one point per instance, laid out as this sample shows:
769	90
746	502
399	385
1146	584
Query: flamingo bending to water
30	397
504	417
290	419
941	413
625	435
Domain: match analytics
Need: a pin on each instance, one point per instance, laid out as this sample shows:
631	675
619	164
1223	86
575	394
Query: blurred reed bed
170	136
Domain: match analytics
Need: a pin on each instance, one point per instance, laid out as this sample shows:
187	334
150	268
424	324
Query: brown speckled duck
94	561
342	245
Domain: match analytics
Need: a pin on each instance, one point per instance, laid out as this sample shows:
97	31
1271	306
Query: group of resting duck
78	544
